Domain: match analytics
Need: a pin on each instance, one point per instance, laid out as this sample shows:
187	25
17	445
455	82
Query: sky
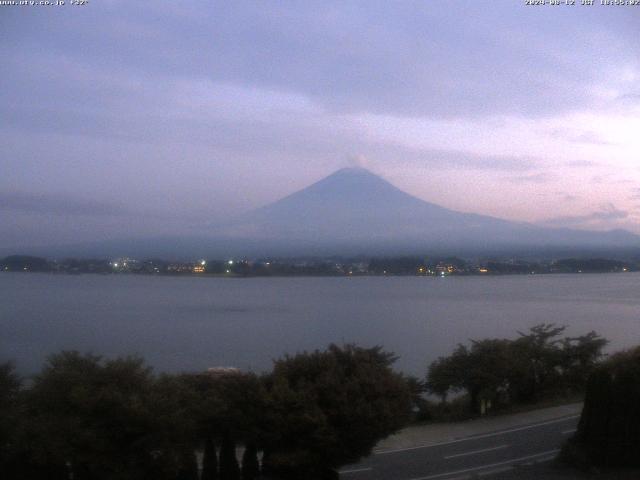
122	119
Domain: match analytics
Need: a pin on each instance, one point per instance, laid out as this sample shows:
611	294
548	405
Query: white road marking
486	435
476	451
356	470
492	465
568	432
495	471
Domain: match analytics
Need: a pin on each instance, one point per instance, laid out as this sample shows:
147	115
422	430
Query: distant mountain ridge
355	212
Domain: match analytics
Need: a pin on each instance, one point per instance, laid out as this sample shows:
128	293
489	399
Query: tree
535	365
482	371
580	356
537	356
229	468
330	408
442	377
209	460
9	418
187	466
229	409
24	263
173	429
250	465
487	371
103	419
609	428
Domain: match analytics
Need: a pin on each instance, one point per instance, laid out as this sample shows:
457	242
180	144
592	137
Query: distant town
242	267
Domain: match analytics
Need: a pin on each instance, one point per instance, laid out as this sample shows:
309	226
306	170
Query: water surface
191	323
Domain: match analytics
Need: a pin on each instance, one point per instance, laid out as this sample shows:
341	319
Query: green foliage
590	265
609	429
330	408
24	263
9	408
209	461
113	419
104	420
250	465
537	359
187	466
229	468
534	366
85	412
444	374
580	357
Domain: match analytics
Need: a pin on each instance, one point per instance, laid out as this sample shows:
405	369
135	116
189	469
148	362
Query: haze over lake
190	323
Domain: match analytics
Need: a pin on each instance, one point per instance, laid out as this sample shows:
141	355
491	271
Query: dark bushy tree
229	468
482	371
609	428
209	460
444	376
536	358
329	408
250	465
580	357
10	416
103	420
230	410
98	419
535	365
188	466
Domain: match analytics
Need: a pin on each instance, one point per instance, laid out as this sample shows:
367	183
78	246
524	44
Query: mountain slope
353	212
351	203
355	207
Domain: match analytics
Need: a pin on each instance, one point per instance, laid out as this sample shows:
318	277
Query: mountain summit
355	210
352	203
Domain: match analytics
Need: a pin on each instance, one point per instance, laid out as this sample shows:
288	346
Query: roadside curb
415	437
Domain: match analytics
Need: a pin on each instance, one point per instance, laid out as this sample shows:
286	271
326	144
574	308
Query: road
471	457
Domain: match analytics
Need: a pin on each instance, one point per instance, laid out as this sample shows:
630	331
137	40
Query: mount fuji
355	212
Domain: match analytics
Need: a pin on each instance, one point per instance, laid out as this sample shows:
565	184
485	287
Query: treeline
608	433
415	266
87	418
500	373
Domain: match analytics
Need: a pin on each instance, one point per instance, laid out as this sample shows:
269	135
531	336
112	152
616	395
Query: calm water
195	323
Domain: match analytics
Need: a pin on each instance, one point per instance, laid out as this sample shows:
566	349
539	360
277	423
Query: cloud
586	137
590	138
458	159
581	164
635	195
539	178
607	213
174	108
359	161
412	59
567	197
629	98
57	204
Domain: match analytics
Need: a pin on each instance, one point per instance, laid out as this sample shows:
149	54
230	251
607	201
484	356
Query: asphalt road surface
471	457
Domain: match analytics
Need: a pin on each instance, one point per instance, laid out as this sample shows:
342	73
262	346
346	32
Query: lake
191	323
